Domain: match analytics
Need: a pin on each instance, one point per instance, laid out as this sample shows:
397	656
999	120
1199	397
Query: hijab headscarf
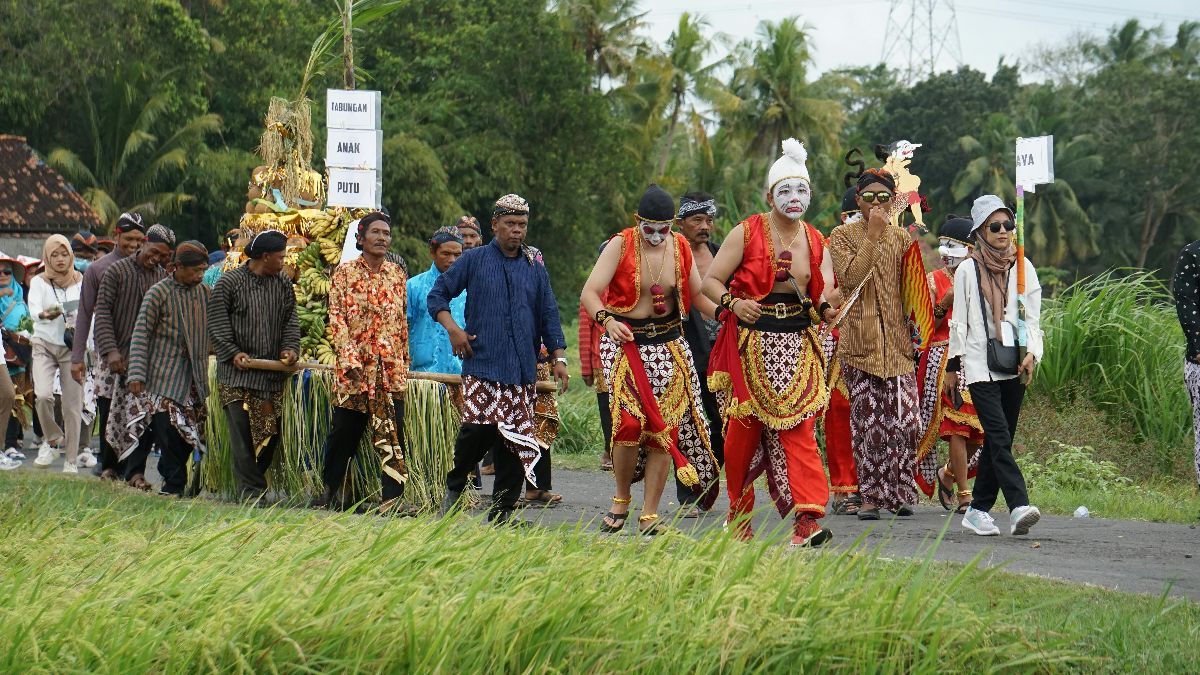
994	265
12	307
65	279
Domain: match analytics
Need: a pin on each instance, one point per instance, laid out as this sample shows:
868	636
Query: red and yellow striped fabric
914	293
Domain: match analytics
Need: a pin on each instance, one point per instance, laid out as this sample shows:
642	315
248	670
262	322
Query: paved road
1131	556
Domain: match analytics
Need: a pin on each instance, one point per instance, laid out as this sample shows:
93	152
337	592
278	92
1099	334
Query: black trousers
135	463
344	436
602	400
716	438
12	435
176	452
998	405
249	472
108	456
541	471
474	441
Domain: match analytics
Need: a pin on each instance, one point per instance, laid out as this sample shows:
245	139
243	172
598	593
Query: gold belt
655	329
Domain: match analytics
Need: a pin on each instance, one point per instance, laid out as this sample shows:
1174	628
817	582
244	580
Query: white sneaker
1022	518
46	455
14	453
70	467
8	463
86	459
980	522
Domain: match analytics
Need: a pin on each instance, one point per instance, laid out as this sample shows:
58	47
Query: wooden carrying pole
279	366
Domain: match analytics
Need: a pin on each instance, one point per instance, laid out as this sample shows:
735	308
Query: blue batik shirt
511	311
428	342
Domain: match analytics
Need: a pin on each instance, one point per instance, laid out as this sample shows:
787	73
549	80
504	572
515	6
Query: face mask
792	197
655	234
81	265
953	253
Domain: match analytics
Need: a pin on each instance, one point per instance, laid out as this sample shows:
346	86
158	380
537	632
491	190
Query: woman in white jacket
984	334
53	299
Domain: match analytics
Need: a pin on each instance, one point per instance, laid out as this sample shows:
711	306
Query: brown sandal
139	482
544	498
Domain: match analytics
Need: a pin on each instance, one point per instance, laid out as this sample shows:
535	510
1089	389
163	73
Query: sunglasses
876	197
1008	226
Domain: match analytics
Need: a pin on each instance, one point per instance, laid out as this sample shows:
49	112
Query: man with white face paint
766	367
648	280
949	417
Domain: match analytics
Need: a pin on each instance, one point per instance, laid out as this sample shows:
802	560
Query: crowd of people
704	357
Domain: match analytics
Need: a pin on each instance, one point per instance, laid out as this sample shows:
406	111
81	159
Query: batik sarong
884	420
511	408
940	419
676	386
263	408
1191	377
131	415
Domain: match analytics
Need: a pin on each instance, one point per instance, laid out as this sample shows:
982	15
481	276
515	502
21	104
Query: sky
854	32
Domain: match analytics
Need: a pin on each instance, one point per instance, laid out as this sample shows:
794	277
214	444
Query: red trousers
843	475
805	474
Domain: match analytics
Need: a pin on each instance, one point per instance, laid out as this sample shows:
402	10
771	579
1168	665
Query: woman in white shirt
53	301
985	309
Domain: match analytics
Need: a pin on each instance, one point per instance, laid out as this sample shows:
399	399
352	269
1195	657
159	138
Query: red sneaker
807	533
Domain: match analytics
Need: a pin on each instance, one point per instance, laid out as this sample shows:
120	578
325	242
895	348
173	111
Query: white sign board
354	188
350	246
352	109
1035	161
354	149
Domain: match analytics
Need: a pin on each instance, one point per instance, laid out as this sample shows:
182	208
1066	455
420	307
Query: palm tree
1057	226
606	31
772	97
1127	44
682	78
137	157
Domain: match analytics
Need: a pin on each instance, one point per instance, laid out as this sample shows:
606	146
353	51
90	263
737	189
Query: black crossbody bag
1001	358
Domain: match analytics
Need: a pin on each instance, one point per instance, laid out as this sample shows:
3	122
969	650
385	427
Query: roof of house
34	197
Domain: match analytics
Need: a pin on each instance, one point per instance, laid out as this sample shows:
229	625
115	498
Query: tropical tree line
157	105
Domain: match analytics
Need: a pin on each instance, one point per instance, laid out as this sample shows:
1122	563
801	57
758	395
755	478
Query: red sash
660	437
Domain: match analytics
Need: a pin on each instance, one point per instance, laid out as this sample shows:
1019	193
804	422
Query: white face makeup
792	196
952	253
654	233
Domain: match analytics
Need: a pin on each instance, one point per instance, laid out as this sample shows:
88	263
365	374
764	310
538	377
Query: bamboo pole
543	387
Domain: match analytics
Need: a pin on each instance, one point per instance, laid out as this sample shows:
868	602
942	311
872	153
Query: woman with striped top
168	365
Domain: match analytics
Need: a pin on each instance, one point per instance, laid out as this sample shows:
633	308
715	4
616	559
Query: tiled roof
34	197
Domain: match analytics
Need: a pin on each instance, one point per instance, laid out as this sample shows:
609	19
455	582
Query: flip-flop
944	493
544	498
619	518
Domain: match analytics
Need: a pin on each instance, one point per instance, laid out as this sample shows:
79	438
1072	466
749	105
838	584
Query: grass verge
99	580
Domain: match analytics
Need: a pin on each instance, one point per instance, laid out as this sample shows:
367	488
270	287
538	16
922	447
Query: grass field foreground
100	580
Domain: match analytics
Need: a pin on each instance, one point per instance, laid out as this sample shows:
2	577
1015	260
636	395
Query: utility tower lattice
923	31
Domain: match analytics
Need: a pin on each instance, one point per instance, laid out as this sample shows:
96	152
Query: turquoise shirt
428	342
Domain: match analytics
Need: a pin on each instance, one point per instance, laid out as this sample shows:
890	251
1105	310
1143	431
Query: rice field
96	579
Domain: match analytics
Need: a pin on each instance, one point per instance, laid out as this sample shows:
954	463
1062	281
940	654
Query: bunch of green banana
310	257
331	250
315	282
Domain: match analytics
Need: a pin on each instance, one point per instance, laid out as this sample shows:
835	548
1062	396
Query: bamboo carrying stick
543	387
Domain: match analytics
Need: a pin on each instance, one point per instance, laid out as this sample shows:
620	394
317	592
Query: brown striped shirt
255	314
87	301
169	350
121	291
875	336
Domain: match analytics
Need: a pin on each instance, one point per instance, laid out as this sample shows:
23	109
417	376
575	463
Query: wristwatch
561	359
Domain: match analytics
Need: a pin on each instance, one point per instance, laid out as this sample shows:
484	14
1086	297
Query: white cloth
968	339
43	296
791	165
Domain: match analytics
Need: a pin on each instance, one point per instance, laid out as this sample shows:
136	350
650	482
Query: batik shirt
370	330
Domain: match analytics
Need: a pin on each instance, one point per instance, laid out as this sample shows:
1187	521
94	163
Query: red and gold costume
940	418
839	453
655	391
770	381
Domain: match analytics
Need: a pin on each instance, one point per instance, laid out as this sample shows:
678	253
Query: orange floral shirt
370	328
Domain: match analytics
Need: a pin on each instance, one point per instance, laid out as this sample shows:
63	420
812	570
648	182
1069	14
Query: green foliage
1116	340
1071	467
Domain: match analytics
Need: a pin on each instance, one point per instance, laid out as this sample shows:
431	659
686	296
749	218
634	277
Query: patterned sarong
545	411
676	386
1191	378
385	437
884	421
941	420
784	374
264	409
131	415
511	408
